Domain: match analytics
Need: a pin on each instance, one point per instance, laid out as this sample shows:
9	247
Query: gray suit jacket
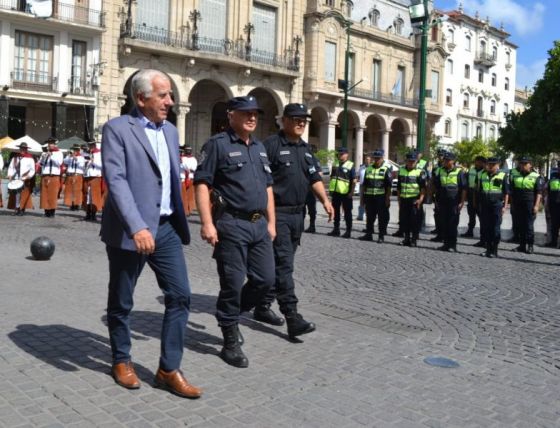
133	181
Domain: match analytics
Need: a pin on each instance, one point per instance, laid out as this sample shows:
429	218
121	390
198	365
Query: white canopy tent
33	146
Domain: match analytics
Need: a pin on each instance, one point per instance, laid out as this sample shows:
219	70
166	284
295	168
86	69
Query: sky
533	26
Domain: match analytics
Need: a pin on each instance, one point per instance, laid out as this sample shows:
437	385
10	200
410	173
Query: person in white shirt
189	165
51	162
22	167
92	197
73	184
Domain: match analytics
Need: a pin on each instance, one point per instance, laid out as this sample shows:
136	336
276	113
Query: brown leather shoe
176	383
125	376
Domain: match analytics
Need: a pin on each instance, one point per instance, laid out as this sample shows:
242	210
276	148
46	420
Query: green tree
467	150
325	156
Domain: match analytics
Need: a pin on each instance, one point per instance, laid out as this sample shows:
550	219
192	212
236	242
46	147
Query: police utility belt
220	206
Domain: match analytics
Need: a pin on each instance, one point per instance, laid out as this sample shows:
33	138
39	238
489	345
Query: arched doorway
207	115
397	139
319	129
129	104
373	137
267	125
351	136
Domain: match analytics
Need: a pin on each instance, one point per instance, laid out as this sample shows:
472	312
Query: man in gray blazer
144	222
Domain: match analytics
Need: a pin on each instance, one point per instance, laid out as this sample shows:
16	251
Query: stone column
89	126
181	110
385	142
4	113
330	128
359	146
408	140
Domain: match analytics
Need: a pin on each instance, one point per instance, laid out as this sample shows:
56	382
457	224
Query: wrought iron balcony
485	59
34	81
383	97
225	47
61	12
77	86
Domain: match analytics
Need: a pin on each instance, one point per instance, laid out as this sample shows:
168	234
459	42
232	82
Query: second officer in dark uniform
294	170
236	205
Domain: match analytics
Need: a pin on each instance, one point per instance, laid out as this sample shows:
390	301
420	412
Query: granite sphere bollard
42	248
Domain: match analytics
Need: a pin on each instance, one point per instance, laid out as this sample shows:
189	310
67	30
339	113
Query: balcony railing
383	97
485	59
62	12
479	113
79	86
34	81
225	47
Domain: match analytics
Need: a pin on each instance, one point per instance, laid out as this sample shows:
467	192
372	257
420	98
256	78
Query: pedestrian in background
361	174
553	205
341	188
473	176
51	162
411	189
143	222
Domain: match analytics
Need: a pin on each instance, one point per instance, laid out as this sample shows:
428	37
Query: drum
15	186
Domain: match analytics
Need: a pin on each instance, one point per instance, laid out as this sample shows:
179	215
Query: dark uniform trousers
345	202
449	220
244	251
472	211
169	266
554	207
289	227
310	206
515	224
410	217
376	207
523	210
491	221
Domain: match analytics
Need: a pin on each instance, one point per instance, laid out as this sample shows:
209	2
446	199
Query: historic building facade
258	51
479	78
50	64
384	75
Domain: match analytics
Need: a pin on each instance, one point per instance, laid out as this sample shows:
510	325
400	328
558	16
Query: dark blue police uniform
240	173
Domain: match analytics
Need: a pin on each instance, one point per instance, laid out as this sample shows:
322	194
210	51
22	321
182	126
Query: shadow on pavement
68	348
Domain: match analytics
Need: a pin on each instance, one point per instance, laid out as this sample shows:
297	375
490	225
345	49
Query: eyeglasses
299	120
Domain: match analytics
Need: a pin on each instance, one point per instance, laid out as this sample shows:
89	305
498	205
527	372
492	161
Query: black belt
164	219
252	216
289	209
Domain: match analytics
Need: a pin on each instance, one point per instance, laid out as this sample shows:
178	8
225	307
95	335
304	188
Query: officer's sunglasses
299	120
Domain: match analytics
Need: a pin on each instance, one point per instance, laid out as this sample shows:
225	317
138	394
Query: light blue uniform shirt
156	137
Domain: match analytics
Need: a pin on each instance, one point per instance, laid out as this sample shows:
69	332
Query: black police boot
334	232
297	325
348	233
468	233
366	237
310	229
520	249
489	251
529	249
398	234
551	244
480	244
495	249
433	232
267	315
231	353
240	337
381	239
406	242
444	247
436	238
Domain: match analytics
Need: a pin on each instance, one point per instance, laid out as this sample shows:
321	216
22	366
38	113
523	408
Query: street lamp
420	12
344	84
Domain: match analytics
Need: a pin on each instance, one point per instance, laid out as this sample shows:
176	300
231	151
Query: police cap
480	158
493	159
295	110
377	154
441	152
247	103
524	159
342	150
411	156
449	156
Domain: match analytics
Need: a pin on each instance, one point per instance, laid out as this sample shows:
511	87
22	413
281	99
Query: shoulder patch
263	154
309	155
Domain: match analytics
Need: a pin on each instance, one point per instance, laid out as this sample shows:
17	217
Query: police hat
524	159
411	156
493	159
295	110
377	154
480	158
441	152
247	103
342	150
449	156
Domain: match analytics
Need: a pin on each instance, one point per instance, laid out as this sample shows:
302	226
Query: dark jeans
339	200
524	212
289	228
449	220
491	221
168	264
376	207
410	217
244	251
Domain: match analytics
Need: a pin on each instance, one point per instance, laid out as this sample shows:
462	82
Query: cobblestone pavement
380	310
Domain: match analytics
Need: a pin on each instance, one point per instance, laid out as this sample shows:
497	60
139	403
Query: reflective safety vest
491	187
554	184
409	182
340	177
421	164
525	183
473	175
374	180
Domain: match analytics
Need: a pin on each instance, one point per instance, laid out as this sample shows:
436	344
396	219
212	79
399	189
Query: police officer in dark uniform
376	190
451	192
513	173
437	216
341	188
411	190
553	201
294	170
527	188
491	201
472	178
236	205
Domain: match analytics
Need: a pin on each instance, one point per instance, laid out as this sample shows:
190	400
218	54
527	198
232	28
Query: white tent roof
34	147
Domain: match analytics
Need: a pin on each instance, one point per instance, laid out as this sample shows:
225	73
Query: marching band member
190	163
73	185
50	162
22	167
92	198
